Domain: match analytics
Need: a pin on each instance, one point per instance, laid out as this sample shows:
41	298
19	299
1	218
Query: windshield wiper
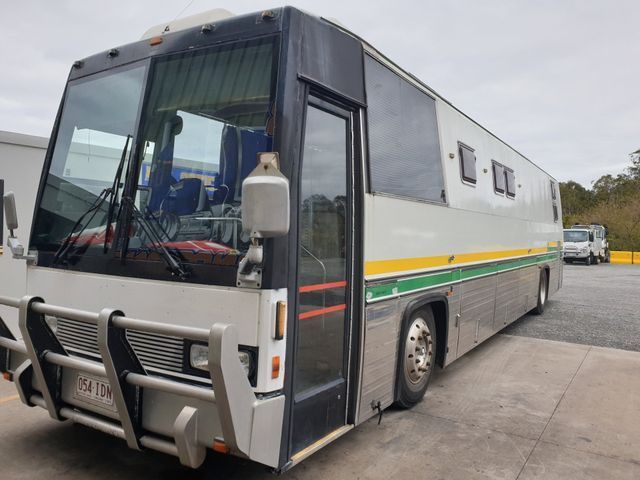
71	239
175	266
114	193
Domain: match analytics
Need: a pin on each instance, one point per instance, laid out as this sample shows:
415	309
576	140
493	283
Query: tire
416	365
596	259
588	260
543	293
607	257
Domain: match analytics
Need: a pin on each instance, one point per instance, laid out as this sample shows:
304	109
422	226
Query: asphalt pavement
597	305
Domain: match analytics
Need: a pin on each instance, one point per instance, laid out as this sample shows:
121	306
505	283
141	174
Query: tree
618	189
623	220
634	169
575	198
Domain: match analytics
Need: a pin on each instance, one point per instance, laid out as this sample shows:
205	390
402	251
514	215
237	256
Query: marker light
281	320
275	366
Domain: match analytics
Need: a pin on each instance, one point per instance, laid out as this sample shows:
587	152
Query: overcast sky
558	80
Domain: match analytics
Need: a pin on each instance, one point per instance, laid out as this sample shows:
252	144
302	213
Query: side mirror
265	214
265	199
10	214
591	236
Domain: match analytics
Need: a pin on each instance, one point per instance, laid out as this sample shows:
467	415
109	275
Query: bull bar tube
244	418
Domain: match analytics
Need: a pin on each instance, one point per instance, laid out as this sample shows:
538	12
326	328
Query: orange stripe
322	286
322	311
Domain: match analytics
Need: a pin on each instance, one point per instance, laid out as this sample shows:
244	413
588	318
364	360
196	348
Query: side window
404	149
554	200
467	163
498	178
510	177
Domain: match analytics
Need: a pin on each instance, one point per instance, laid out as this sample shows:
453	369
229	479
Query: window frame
494	166
508	194
472	182
554	201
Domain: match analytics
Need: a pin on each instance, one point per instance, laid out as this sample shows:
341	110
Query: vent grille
154	351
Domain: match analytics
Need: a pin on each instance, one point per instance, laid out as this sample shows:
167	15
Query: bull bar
243	416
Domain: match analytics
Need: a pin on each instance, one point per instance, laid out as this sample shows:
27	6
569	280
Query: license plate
94	389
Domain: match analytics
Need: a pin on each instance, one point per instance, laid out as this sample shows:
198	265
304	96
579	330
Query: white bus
254	233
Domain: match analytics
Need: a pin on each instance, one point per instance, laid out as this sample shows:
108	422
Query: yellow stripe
377	267
9	399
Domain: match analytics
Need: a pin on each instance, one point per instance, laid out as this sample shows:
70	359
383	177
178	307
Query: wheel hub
418	351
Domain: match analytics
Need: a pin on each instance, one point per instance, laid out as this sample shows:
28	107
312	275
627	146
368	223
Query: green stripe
394	288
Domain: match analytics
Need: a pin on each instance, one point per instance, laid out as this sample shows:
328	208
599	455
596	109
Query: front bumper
149	411
575	255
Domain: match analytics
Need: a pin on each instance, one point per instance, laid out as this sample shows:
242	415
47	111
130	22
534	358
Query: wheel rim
543	288
418	351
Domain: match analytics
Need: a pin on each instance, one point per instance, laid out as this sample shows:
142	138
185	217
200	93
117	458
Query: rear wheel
543	290
417	363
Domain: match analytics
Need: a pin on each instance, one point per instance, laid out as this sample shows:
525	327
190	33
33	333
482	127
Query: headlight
199	358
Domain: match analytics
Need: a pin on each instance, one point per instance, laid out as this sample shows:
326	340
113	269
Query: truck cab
586	243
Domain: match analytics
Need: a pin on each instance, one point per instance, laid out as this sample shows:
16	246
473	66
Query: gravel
597	305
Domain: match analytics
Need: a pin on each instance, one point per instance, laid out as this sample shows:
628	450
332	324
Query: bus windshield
206	114
576	235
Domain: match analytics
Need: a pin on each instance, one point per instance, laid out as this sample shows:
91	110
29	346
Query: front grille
154	351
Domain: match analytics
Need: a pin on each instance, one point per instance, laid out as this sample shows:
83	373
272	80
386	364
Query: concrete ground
513	408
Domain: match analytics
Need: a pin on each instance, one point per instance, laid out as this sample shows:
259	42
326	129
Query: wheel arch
439	304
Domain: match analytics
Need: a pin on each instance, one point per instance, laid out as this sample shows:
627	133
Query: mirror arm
17	250
250	268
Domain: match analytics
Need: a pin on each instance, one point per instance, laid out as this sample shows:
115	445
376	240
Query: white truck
586	243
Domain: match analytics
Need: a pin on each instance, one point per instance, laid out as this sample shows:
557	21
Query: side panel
508	302
382	330
476	312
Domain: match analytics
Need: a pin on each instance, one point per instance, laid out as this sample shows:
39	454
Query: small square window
467	163
510	177
498	178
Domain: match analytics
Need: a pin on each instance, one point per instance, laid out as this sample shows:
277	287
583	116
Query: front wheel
418	350
588	261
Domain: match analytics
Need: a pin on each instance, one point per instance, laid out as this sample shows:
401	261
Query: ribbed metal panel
154	351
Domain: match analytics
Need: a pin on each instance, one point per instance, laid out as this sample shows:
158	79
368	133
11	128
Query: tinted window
323	252
511	182
404	150
467	163
498	177
555	212
553	190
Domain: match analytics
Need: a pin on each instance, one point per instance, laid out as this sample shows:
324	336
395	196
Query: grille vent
154	351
